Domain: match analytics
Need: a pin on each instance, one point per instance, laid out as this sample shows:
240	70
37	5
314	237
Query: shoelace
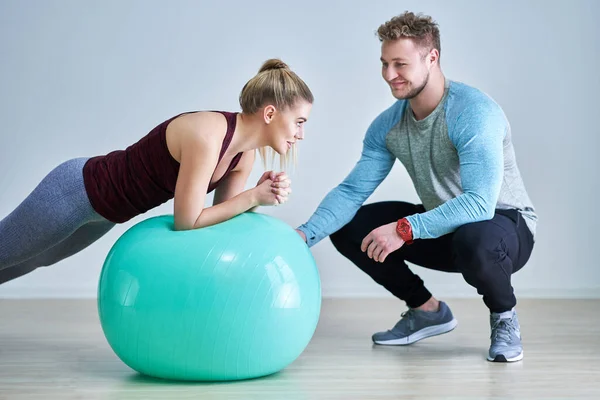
410	316
503	329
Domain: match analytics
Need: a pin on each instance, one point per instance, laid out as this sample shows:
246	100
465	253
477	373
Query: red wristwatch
404	230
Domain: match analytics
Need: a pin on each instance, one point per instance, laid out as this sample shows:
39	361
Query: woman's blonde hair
277	84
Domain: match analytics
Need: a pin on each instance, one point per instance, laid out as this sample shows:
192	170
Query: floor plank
55	349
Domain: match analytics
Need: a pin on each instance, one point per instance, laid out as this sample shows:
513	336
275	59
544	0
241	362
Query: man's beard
416	91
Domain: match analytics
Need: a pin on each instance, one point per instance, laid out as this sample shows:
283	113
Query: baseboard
457	293
47	292
40	292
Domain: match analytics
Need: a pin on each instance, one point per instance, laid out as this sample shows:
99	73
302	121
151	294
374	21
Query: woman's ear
268	113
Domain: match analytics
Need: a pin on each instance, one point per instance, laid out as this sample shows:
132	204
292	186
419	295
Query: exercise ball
236	300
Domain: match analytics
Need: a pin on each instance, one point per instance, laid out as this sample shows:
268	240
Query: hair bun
272	64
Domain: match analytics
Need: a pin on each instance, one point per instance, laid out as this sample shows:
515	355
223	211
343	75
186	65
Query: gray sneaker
506	337
416	325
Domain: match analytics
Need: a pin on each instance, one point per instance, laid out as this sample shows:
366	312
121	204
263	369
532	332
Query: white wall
82	78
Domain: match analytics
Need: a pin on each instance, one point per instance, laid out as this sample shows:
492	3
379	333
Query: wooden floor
56	350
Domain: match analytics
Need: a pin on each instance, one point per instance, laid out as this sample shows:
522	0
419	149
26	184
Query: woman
183	158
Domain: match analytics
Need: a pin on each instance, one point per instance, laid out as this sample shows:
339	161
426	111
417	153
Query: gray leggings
54	222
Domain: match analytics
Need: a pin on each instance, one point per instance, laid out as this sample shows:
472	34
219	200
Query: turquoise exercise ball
236	300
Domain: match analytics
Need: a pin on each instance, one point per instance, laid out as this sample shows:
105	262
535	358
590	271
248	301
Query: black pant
486	253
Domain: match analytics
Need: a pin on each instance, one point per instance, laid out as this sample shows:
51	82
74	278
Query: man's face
405	67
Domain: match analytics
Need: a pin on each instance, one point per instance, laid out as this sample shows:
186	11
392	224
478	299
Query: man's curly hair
421	28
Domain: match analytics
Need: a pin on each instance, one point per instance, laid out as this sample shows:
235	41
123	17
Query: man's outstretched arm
340	205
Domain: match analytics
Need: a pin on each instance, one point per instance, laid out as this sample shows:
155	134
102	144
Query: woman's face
287	126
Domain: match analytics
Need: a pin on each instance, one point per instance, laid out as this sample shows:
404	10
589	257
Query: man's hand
381	242
302	235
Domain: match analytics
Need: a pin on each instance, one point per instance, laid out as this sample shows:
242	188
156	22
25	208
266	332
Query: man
476	217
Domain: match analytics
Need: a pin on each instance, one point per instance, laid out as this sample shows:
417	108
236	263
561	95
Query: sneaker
416	325
506	337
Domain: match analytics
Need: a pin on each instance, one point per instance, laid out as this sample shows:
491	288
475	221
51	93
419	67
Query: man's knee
340	239
352	233
475	246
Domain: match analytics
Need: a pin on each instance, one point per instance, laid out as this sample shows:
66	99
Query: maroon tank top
125	183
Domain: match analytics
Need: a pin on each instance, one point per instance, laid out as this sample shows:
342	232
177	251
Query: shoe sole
502	358
420	335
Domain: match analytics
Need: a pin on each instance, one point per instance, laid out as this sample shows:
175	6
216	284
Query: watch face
404	229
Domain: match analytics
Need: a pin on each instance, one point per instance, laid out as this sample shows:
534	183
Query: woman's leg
82	238
37	232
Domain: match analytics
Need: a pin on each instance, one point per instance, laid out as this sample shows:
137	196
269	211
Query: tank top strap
231	124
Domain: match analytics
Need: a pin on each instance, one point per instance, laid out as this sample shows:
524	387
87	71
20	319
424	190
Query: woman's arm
198	161
235	182
199	158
